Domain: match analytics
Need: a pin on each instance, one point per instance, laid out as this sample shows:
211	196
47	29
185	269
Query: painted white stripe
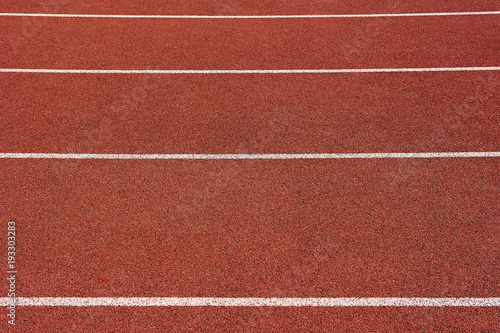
245	71
245	156
251	302
250	16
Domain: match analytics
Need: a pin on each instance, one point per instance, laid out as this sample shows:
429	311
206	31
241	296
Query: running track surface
357	228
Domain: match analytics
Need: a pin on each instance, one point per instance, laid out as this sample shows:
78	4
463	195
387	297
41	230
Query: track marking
249	16
246	71
244	156
251	302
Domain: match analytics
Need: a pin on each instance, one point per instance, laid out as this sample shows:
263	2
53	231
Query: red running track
257	229
81	320
338	228
315	228
68	43
314	113
244	7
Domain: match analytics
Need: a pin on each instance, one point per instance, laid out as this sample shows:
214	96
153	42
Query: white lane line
250	16
245	71
245	156
251	302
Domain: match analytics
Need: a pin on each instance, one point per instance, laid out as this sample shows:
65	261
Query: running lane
317	228
293	113
69	43
337	228
244	7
